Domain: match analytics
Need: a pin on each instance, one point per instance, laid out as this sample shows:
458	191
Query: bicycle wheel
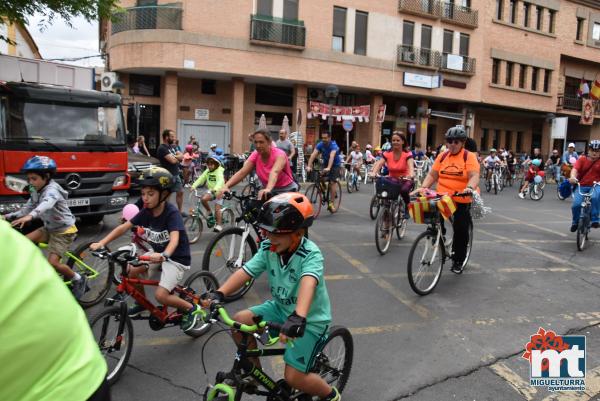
350	183
193	227
495	184
536	193
337	201
221	255
201	282
469	246
314	194
99	274
115	339
425	262
374	207
400	222
582	232
227	218
383	230
488	185
334	362
357	183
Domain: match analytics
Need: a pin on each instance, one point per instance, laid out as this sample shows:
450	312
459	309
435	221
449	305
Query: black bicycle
319	193
391	216
333	362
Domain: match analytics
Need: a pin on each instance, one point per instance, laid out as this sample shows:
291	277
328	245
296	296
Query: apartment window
534	78
579	35
144	85
484	138
522	76
539	13
547	76
264	7
596	31
360	33
448	39
339	29
464	45
408	31
552	15
509	73
526	8
425	36
290	10
209	87
513	11
499	9
495	70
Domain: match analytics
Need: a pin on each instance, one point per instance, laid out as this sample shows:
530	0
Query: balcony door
145	17
425	45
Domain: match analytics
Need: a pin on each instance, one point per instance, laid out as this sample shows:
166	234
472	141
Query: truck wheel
91	220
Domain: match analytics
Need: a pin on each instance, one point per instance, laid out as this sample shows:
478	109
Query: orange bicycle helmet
286	213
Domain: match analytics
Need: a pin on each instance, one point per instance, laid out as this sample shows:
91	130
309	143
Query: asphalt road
462	342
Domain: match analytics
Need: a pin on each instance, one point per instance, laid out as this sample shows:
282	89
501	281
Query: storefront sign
201	114
559	128
422	81
352	113
381	113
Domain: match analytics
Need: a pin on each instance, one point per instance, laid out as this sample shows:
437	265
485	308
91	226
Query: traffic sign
347	125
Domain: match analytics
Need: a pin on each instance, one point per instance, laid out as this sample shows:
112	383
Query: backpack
446	153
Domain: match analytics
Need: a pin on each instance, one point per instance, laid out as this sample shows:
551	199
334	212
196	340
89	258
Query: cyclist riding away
295	270
400	165
456	170
272	168
585	172
355	159
215	180
532	170
48	202
160	224
330	152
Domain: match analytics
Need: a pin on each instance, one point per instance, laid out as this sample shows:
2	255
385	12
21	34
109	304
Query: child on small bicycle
214	179
48	202
532	170
355	159
160	224
189	156
294	265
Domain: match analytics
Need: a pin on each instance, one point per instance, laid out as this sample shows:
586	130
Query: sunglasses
453	141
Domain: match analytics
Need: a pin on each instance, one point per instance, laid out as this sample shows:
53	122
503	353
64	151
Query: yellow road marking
592	388
514	380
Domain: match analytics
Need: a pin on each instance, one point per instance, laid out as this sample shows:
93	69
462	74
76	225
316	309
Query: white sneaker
522	195
218	229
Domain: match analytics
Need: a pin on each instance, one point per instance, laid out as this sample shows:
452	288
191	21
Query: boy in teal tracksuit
214	179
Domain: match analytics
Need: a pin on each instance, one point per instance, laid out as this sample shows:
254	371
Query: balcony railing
420	57
454	62
447	11
148	17
277	31
573	102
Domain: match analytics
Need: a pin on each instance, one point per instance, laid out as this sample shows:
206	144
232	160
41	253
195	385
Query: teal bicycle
194	223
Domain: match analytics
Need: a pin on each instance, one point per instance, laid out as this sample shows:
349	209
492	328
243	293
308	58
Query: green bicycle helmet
157	177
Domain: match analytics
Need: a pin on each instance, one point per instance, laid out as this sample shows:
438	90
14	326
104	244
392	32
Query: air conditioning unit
408	56
317	95
107	79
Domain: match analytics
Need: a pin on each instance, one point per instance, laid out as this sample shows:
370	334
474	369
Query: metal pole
347	143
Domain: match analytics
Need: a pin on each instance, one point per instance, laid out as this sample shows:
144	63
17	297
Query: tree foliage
17	11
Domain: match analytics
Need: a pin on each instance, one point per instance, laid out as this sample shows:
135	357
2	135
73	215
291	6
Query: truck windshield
62	124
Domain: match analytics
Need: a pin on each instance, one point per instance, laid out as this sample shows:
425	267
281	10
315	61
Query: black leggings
462	221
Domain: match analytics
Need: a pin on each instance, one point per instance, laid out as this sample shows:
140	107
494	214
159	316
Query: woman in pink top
272	167
400	165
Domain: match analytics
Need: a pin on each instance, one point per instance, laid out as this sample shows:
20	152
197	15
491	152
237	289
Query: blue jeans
578	199
556	170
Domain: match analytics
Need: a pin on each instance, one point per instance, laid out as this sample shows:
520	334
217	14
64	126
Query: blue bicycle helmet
217	158
536	162
39	164
219	152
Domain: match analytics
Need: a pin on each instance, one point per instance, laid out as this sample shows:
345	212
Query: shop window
209	87
144	85
274	95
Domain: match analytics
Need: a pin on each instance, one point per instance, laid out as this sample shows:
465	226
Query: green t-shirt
47	351
285	280
214	180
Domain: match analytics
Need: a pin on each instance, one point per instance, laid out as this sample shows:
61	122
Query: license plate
78	202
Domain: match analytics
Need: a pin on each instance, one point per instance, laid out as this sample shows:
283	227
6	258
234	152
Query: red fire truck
81	129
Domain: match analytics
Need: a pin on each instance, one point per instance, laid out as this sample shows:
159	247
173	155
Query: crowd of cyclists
292	262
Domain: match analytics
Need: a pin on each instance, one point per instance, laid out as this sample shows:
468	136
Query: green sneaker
334	397
189	320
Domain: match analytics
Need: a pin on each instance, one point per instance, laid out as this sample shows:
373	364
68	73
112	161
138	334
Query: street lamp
331	93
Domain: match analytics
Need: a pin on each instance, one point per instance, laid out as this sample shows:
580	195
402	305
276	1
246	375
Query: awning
447	114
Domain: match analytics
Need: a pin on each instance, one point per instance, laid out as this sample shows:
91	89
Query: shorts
171	275
292	187
334	173
59	243
213	198
301	356
177	184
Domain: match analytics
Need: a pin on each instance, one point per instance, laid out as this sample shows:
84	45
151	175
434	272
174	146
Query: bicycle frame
69	255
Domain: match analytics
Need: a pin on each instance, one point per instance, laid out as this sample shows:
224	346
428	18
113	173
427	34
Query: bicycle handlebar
218	311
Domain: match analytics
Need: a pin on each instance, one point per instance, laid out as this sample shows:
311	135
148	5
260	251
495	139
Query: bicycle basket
423	210
388	187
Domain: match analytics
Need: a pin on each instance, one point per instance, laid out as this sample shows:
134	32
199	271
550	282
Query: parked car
136	163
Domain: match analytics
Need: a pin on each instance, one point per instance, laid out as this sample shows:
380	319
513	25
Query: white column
455	42
417	35
278	8
350	28
437	38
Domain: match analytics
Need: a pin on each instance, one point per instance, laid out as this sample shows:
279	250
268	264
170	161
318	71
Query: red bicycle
113	329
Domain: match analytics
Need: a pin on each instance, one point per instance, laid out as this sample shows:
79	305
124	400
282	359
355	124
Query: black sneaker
457	268
573	228
136	310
